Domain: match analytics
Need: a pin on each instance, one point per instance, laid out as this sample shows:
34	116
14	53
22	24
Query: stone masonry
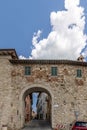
68	93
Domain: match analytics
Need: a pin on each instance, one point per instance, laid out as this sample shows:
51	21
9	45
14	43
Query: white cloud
70	5
35	37
22	57
67	38
84	53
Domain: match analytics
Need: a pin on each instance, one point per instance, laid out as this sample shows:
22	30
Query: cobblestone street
37	125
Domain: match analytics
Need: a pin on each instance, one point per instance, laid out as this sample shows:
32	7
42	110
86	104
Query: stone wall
5	90
68	93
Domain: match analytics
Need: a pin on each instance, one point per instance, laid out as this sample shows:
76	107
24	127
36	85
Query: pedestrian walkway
37	125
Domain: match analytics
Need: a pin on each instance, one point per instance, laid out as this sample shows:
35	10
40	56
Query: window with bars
27	70
79	73
54	71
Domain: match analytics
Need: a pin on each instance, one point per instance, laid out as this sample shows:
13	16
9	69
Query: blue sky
34	102
19	19
24	24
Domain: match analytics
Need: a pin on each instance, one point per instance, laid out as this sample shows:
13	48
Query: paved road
37	125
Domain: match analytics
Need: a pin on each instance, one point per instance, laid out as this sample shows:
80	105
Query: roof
11	52
16	60
30	61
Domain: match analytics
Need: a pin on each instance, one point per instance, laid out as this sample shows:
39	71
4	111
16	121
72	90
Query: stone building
28	109
43	106
65	81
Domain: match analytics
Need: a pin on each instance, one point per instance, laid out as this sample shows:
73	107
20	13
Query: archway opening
37	105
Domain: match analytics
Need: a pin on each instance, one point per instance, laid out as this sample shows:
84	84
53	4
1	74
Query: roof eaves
10	52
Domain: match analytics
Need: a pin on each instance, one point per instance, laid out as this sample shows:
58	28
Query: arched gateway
64	81
30	89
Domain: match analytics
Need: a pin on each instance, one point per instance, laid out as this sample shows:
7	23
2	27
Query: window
27	70
54	71
79	73
80	123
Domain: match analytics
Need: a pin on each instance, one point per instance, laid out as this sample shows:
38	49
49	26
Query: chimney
80	58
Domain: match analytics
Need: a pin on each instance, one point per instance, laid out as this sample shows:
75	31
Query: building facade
28	108
65	82
43	106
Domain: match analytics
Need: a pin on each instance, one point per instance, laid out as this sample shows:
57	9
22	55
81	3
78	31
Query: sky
34	105
44	29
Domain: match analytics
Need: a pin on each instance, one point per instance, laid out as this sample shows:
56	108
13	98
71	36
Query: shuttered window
79	73
27	70
54	71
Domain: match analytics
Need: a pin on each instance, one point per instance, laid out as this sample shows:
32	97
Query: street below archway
37	125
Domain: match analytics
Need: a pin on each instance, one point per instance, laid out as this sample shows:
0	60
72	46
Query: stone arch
30	89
